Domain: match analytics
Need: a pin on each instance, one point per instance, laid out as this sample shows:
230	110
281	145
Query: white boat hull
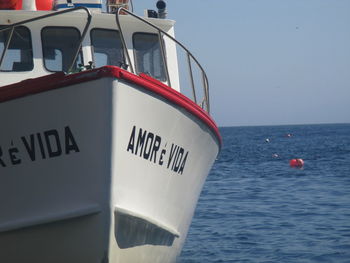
99	170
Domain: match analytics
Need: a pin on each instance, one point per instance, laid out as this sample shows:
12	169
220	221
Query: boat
106	136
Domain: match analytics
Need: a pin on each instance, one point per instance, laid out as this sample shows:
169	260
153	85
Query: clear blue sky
269	62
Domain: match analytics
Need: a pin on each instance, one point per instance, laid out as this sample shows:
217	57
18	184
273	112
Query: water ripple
254	208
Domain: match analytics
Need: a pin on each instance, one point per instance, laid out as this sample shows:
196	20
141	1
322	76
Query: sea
255	208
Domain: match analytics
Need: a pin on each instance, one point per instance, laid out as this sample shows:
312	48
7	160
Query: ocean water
255	208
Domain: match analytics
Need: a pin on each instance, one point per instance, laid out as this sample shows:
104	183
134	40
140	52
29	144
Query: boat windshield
107	47
59	46
148	55
19	56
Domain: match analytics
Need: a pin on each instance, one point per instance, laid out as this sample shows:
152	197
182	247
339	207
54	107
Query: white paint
101	115
103	173
28	5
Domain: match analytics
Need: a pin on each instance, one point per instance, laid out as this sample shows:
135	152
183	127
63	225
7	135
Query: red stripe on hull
60	80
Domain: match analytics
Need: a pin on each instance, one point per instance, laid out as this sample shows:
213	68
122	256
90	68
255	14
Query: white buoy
29	5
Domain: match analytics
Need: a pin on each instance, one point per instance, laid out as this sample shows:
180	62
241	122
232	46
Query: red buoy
296	163
8	4
44	5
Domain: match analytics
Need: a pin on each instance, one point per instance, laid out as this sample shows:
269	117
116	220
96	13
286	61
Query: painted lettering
155	148
182	166
149	147
53	143
1	161
48	144
178	160
140	141
13	157
41	146
172	153
29	147
131	141
161	161
70	142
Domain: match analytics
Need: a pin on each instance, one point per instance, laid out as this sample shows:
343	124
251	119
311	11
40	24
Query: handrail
161	32
7	43
192	79
132	6
204	103
125	49
12	26
162	48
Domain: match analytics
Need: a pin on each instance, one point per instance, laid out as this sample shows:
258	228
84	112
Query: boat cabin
75	38
48	45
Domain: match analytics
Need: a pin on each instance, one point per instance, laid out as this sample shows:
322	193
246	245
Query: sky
269	62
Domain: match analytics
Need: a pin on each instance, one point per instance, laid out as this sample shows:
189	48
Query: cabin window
148	55
107	47
60	45
19	55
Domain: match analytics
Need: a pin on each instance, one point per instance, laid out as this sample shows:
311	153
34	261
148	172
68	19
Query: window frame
163	60
123	62
31	48
43	52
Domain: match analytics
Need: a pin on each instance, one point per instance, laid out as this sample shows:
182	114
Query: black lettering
29	147
52	145
156	146
172	151
147	151
131	141
161	157
182	167
70	143
13	157
148	145
1	161
41	146
178	160
140	141
176	155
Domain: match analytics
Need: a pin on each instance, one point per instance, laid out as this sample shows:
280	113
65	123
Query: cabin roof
9	17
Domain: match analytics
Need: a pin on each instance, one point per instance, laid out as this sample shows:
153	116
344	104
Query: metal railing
13	26
204	102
